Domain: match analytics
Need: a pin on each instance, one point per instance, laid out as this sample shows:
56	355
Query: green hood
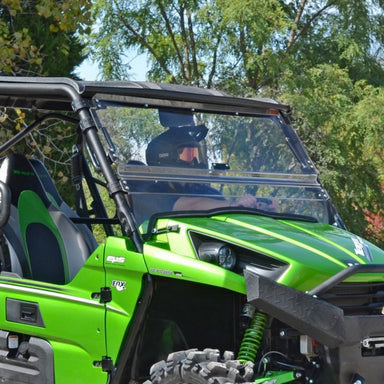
313	251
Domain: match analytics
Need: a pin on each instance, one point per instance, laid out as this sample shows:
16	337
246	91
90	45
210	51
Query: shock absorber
253	335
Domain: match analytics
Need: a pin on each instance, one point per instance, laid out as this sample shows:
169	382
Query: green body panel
124	271
74	322
165	263
78	326
314	251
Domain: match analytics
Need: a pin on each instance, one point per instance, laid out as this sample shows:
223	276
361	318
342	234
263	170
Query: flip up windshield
169	156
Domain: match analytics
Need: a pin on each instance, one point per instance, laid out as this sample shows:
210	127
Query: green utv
219	255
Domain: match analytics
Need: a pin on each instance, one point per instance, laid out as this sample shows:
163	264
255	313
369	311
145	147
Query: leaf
53	28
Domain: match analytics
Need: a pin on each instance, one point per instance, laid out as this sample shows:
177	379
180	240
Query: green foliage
205	43
242	46
40	37
51	143
341	122
344	32
181	38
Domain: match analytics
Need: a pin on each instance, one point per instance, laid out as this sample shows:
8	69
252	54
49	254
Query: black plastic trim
310	315
21	91
318	319
24	312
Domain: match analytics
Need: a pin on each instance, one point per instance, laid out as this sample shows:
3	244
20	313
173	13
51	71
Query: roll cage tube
73	91
114	187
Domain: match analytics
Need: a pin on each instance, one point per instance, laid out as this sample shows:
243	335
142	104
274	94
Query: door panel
67	317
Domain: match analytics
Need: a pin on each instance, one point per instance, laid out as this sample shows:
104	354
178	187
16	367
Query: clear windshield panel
175	159
246	143
285	200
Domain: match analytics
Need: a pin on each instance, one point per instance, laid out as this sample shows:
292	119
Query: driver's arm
185	203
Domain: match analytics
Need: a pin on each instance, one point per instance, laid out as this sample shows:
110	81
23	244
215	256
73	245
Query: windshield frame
159	173
308	179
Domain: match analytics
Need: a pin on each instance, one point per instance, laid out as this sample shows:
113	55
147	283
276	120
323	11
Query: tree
189	42
342	123
39	37
344	32
243	46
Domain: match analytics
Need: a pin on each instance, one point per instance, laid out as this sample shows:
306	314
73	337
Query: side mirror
5	203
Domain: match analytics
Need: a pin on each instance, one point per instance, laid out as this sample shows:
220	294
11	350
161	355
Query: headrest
17	172
176	119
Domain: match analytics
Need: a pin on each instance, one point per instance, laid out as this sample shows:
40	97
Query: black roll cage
28	93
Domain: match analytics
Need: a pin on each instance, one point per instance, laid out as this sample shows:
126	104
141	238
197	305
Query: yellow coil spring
252	338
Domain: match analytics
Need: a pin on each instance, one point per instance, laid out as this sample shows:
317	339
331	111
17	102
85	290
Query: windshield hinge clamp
106	364
86	123
169	228
79	104
115	187
104	296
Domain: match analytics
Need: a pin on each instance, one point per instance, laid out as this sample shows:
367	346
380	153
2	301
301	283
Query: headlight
217	253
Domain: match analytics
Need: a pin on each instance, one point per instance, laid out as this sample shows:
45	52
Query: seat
54	248
54	196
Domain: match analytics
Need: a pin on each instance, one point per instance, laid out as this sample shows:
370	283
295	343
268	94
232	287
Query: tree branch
193	49
143	42
214	63
172	35
252	73
295	36
185	44
296	22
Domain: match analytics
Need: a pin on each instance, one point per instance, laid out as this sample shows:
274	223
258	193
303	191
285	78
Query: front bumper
342	337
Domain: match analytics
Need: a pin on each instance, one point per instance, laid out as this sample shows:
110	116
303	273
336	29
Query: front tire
201	367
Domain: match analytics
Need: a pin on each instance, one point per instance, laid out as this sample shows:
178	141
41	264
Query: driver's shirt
162	196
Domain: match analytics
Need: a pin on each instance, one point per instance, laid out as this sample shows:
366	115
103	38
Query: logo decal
362	249
119	285
166	272
116	259
161	271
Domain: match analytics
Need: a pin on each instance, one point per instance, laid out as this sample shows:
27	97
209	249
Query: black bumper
341	336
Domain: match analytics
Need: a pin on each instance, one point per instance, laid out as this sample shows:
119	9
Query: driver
178	147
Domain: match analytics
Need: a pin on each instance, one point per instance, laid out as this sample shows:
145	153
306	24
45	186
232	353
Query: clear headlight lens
218	253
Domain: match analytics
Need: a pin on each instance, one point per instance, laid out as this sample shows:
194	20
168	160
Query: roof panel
56	93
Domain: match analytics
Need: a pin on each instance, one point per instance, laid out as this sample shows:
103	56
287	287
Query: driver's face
188	154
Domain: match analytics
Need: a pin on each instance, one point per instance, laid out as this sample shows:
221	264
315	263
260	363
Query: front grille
357	298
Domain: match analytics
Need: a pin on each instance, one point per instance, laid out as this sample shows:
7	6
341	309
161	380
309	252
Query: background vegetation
39	38
323	57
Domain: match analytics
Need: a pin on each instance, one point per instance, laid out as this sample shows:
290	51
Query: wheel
201	367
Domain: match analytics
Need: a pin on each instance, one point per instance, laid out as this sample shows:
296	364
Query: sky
89	71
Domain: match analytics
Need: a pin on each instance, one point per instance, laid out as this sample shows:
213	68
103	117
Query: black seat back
54	249
53	193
